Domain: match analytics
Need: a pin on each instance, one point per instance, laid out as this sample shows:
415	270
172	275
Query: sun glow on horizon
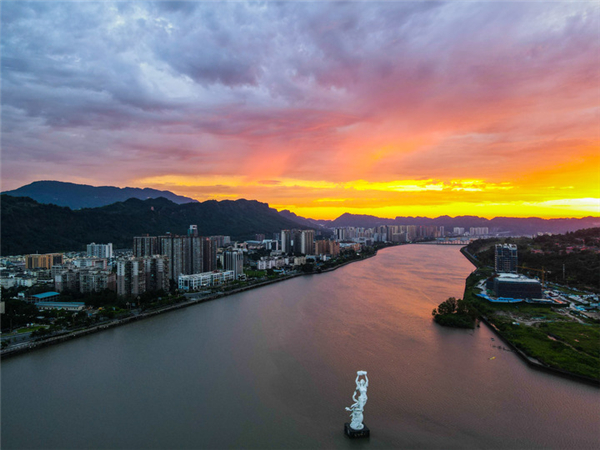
319	199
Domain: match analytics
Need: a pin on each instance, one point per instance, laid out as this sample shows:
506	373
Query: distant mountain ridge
77	196
29	226
308	223
512	225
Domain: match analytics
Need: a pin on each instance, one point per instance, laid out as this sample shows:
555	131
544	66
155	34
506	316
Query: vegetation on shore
548	334
555	336
454	313
571	259
30	227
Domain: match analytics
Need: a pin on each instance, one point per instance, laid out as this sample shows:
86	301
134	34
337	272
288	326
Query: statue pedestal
352	433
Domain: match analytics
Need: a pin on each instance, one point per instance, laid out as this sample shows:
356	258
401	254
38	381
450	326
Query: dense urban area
546	281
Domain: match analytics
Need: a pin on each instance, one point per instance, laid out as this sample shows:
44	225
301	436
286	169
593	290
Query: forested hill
571	258
29	226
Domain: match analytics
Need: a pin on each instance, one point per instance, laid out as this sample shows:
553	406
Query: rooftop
515	278
60	304
46	295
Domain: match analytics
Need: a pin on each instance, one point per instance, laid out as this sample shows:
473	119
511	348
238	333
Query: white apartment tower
100	250
234	261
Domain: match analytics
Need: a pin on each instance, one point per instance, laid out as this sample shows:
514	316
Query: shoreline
53	340
529	360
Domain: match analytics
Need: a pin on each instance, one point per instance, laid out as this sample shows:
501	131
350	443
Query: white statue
359	403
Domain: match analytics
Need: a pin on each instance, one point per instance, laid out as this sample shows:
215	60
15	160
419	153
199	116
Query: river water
274	368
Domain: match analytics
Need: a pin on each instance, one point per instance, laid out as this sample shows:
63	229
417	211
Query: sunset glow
389	109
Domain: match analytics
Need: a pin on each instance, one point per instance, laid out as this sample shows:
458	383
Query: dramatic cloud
318	107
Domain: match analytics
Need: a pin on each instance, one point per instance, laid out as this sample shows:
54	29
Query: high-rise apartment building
43	261
145	246
325	247
136	276
307	242
96	280
66	279
234	261
298	241
286	241
156	273
186	254
506	258
478	231
100	250
209	255
221	241
130	277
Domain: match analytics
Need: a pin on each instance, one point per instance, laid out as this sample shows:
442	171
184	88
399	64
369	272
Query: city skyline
388	109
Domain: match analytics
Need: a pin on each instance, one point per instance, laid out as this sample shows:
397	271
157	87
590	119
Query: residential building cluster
479	231
388	233
186	255
138	275
473	231
83	278
327	247
190	260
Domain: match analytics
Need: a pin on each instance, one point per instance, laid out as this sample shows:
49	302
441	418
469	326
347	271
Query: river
274	368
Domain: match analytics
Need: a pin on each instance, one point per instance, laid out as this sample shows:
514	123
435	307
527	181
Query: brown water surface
275	367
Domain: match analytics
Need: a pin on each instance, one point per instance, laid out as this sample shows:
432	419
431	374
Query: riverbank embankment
538	365
528	359
190	301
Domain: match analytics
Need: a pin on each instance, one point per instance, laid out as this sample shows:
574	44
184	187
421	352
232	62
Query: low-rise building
42	298
66	306
508	285
200	280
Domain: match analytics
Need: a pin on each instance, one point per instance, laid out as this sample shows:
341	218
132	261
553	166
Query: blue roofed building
43	297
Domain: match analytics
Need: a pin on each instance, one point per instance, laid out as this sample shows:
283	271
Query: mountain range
30	227
56	218
77	196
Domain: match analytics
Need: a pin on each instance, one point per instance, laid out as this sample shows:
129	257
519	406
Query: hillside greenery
29	226
545	333
578	252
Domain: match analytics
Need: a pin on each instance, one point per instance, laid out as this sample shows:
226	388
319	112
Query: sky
389	108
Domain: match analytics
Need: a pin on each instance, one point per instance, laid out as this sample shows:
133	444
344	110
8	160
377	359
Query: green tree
448	307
